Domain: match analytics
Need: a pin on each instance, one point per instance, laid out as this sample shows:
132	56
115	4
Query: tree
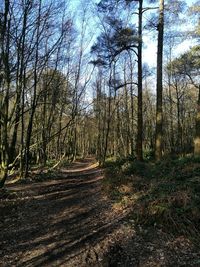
159	84
109	48
5	81
194	12
27	49
188	65
140	102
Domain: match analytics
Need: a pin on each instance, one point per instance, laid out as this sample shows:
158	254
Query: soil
67	220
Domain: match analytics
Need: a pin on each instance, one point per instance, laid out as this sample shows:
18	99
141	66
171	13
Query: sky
149	40
150	49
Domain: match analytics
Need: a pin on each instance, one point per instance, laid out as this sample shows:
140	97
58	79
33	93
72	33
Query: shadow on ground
56	222
68	221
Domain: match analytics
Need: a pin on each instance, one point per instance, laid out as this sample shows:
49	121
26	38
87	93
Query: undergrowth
165	194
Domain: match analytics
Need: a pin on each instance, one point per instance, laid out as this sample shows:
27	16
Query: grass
165	194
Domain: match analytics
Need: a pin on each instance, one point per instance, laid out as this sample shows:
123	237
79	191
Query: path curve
57	222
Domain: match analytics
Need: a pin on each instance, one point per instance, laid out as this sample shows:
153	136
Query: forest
100	133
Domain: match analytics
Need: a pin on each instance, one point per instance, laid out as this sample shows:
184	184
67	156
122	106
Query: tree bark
34	104
159	88
139	113
197	134
4	100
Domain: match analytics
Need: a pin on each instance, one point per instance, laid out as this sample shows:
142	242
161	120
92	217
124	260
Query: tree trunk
159	108
197	134
21	69
34	104
140	115
4	100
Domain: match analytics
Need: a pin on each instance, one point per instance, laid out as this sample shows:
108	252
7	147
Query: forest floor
68	220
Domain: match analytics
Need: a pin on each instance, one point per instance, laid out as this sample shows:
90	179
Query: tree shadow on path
54	222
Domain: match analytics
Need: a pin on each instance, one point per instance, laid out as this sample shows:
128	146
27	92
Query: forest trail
62	221
68	221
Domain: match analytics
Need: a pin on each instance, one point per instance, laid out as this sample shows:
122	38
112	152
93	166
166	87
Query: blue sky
149	51
150	44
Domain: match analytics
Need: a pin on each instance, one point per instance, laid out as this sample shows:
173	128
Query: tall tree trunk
140	115
159	108
4	96
20	71
22	127
197	134
34	101
107	129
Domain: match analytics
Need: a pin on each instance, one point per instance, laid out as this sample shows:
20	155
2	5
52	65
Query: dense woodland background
75	83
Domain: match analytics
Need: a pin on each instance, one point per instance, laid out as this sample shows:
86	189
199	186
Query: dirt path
58	222
68	221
